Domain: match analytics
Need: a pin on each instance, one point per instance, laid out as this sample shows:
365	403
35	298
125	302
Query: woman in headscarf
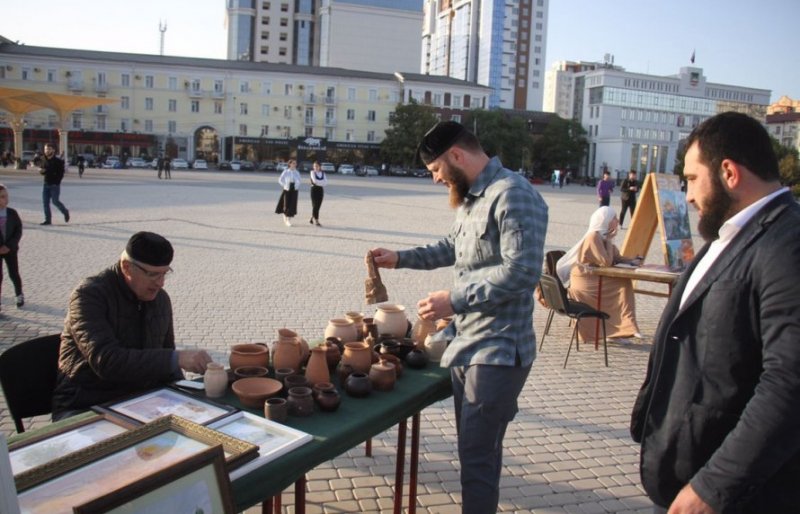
597	248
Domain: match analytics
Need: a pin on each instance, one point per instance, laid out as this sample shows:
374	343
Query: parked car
236	165
346	169
281	166
179	164
304	166
247	166
327	167
224	166
420	172
136	162
200	164
397	171
27	157
267	166
365	171
112	162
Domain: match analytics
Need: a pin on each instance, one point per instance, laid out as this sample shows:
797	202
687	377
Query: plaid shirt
496	246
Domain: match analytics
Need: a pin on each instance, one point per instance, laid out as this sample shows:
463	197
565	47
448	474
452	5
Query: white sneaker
638	335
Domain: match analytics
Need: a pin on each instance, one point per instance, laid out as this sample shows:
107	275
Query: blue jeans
485	402
52	192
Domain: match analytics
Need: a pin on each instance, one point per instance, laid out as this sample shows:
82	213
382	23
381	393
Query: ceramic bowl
252	391
250	371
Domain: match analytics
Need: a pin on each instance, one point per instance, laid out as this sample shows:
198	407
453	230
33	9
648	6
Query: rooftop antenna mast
162	28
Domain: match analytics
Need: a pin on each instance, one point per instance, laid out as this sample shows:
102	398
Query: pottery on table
282	373
369	327
343	371
393	359
342	328
333	353
358	321
215	380
254	390
288	335
358	385
249	355
382	376
358	356
276	409
250	371
287	353
391	319
328	400
295	381
321	386
421	329
317	367
416	359
300	402
435	345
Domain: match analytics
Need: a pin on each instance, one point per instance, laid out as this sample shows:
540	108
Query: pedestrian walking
167	168
10	234
81	165
628	190
290	186
52	168
604	189
318	182
160	166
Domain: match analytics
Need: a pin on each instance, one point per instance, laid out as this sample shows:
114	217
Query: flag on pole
692	59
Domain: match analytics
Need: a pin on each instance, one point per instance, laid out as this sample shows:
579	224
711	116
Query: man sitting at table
597	248
118	335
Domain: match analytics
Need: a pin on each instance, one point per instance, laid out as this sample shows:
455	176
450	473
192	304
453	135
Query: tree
562	145
501	135
406	128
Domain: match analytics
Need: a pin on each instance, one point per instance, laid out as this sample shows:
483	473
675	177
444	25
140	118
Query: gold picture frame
122	460
197	484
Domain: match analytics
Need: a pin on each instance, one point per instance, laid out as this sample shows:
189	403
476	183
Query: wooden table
644	274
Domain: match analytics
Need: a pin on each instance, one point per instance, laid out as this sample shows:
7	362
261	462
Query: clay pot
215	380
276	409
250	371
421	329
287	353
287	335
391	319
392	359
358	385
329	400
282	373
249	355
369	327
343	371
358	321
435	347
333	354
317	368
300	402
358	356
344	329
382	376
416	359
295	381
254	390
322	386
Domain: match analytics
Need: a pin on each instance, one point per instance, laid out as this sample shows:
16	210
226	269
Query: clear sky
742	43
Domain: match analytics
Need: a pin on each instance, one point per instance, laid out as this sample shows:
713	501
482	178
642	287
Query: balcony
75	85
330	100
218	95
330	122
309	120
100	110
195	93
101	88
310	98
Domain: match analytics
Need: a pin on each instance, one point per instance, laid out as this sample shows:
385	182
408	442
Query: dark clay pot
329	400
416	359
358	385
300	402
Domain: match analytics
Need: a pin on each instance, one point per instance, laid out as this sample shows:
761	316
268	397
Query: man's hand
4	250
384	258
436	306
687	502
193	360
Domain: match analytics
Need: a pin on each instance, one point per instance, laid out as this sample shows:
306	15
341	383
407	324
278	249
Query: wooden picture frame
196	484
273	439
144	408
39	450
121	460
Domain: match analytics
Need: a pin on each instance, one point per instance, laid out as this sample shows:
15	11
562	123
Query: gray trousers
485	402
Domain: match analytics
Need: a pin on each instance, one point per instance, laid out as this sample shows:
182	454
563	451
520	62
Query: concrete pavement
240	275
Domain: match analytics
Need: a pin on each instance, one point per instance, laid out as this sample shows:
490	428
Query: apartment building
217	109
500	44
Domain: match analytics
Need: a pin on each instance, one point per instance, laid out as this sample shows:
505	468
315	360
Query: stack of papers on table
656	268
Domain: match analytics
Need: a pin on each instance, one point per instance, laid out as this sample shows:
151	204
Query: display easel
661	204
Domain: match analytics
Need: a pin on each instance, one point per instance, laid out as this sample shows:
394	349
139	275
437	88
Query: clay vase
358	356
333	353
344	329
435	347
369	327
300	402
276	409
215	380
287	335
329	400
421	329
287	353
358	385
416	359
392	359
391	319
382	376
295	381
249	355
317	368
358	321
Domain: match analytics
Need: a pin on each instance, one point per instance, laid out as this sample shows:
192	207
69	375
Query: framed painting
198	484
149	406
272	439
120	461
39	450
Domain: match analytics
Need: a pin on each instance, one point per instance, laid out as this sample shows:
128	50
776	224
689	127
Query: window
244	87
51	75
243	108
264	130
282	51
437	99
76	120
283	36
266	88
125	103
125	80
148	104
242	129
348	136
26	73
371	136
284	7
195	105
172	126
219	86
373	95
371	115
100	123
456	118
148	125
351	94
284	22
149	81
287	112
309	132
217	107
124	124
287	89
351	114
265	109
173	83
457	101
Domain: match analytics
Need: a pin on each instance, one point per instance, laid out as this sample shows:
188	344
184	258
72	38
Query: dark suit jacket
720	406
13	230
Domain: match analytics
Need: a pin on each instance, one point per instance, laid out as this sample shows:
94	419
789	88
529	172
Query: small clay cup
296	381
282	373
358	385
322	386
276	409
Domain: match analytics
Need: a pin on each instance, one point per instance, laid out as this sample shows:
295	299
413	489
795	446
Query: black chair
28	376
556	296
550	260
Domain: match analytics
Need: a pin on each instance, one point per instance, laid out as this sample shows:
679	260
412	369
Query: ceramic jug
287	353
391	319
215	380
358	320
285	334
317	368
421	329
344	329
358	356
435	347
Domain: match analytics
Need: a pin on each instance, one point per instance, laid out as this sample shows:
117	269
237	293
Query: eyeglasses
152	275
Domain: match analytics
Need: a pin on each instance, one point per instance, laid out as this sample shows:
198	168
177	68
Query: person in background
628	190
53	169
318	182
496	248
118	334
167	168
81	165
597	249
10	234
290	186
718	414
604	189
160	166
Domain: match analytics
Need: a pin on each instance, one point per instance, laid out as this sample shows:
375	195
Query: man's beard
459	187
716	210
